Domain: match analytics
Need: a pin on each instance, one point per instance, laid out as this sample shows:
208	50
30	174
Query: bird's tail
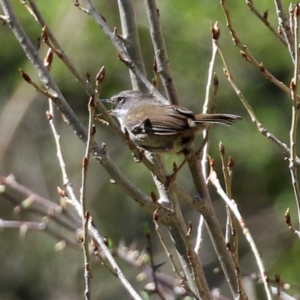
225	119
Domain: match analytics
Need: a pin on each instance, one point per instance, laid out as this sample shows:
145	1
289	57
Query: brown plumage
161	128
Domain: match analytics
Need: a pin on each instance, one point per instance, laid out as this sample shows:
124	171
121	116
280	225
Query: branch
264	19
215	181
122	52
285	27
160	50
98	151
295	112
131	40
247	55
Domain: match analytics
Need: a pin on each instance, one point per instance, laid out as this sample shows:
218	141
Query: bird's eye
121	100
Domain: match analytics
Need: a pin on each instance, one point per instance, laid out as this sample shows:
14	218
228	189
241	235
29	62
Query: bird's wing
158	119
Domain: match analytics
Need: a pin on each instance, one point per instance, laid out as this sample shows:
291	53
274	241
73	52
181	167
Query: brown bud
226	73
93	130
262	67
155	215
287	218
190	228
48	59
85	162
44	34
221	149
91	102
215	30
297	10
61	192
292	85
154	65
211	162
25	76
100	76
230	162
49	115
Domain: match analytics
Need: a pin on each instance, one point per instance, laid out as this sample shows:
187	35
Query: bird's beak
106	100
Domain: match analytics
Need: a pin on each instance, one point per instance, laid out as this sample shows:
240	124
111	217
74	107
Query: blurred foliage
31	267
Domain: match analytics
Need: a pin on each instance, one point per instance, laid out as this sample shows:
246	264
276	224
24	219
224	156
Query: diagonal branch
161	55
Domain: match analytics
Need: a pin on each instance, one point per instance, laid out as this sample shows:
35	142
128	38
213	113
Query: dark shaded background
30	266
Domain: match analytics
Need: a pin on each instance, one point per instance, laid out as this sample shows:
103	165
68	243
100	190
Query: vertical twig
295	113
208	106
285	27
215	181
84	213
131	40
161	55
231	226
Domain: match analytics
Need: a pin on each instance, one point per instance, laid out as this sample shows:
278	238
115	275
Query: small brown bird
161	128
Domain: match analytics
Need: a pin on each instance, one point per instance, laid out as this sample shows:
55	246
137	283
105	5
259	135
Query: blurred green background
31	268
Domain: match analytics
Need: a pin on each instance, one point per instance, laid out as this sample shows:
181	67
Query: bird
158	127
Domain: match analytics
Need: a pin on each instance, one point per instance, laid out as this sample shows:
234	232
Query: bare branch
215	181
247	55
131	40
264	19
285	27
295	111
122	52
161	55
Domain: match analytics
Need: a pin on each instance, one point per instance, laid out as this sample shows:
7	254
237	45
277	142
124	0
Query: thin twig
118	44
23	226
247	55
30	195
215	181
43	211
250	110
95	234
153	268
208	107
202	203
264	19
99	152
295	112
84	213
52	42
285	27
231	228
163	242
